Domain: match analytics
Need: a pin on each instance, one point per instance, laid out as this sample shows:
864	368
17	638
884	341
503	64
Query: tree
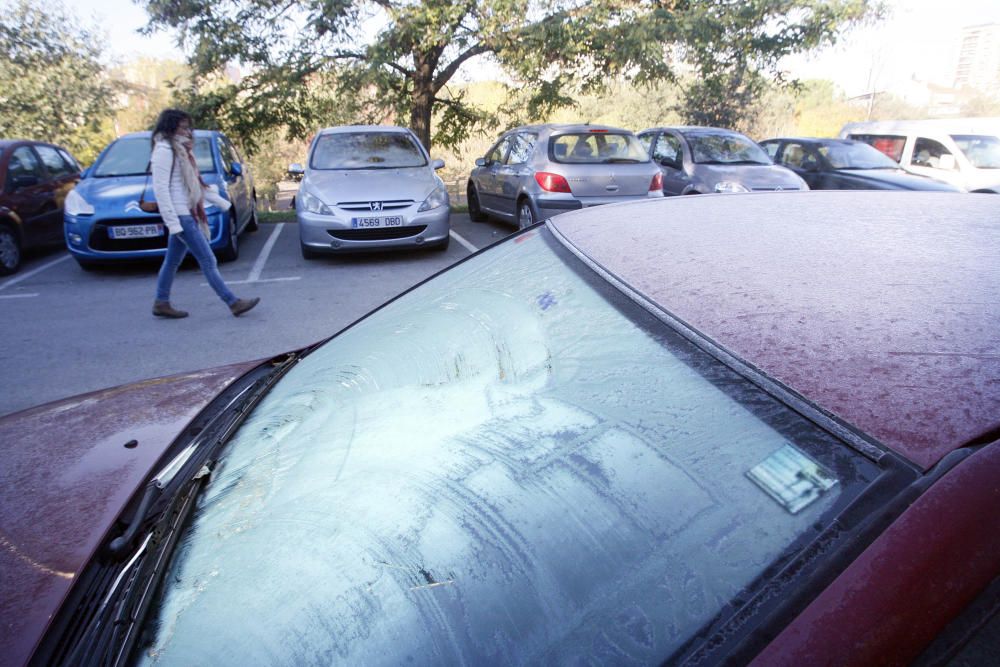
52	84
395	59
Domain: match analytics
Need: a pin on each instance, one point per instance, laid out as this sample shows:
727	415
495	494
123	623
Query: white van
962	151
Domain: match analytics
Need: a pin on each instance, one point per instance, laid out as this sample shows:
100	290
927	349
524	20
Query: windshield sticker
792	478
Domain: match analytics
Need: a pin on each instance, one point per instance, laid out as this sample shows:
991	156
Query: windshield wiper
733	162
621	160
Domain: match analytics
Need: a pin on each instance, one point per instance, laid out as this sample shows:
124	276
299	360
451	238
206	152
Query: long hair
167	123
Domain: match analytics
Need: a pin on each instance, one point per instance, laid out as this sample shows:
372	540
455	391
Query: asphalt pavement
67	331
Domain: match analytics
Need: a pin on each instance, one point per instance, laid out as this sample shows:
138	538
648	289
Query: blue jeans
178	246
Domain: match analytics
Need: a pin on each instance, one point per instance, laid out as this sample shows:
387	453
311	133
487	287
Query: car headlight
75	204
435	199
730	186
311	203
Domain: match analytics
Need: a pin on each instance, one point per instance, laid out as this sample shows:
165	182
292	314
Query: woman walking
181	196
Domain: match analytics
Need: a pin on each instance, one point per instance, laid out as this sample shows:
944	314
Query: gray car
370	187
535	172
701	160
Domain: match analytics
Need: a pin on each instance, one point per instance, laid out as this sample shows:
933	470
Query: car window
596	147
228	153
130	157
645	140
668	147
498	153
53	161
933	154
890	145
982	152
794	154
724	148
70	160
23	162
856	156
590	484
521	147
771	148
366	150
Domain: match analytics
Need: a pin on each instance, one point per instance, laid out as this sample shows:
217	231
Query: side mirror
481	162
236	169
673	164
437	164
295	169
25	181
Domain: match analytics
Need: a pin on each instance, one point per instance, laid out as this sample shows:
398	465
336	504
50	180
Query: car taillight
657	182
551	182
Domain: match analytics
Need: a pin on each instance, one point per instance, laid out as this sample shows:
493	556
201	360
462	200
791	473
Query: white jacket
168	188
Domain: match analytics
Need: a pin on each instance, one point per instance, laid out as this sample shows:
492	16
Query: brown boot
164	309
241	306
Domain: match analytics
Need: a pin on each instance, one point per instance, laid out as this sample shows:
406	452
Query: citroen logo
132	206
778	189
375	205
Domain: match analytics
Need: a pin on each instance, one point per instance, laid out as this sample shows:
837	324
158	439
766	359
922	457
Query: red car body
877	309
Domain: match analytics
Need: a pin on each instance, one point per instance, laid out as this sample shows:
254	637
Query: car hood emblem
375	205
132	206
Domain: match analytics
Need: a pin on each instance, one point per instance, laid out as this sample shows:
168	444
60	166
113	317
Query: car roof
815	140
878	307
146	134
339	129
568	127
693	129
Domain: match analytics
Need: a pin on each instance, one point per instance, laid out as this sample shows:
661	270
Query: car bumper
549	206
88	237
334	233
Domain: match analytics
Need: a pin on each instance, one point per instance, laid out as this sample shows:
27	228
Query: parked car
660	440
702	160
370	187
35	177
962	151
103	221
537	171
842	164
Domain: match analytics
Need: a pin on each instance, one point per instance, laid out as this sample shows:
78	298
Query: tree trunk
420	116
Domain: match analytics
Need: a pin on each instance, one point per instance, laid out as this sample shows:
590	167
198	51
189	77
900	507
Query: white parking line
17	296
25	276
468	246
265	252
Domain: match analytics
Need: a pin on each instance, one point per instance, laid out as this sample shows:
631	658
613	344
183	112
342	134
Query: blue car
103	221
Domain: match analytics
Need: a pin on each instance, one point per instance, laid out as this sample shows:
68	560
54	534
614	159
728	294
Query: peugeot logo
375	205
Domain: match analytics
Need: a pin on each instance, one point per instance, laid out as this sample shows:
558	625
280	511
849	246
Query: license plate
381	221
135	231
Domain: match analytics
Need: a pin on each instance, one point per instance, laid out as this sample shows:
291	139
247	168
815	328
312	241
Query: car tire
525	216
10	250
307	252
475	211
253	225
231	251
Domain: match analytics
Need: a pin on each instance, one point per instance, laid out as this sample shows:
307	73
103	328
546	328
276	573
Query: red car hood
67	476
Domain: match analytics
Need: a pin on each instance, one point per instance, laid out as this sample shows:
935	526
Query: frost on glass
498	467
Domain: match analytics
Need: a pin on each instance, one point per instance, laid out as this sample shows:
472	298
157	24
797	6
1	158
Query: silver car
370	187
538	171
700	160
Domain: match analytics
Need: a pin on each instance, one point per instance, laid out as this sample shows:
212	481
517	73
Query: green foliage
316	62
52	84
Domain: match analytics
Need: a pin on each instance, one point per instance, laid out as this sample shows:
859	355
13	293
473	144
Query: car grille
376	234
390	205
99	239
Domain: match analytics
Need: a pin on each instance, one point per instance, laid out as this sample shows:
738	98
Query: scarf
184	158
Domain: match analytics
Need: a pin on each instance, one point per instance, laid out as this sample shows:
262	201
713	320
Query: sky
919	40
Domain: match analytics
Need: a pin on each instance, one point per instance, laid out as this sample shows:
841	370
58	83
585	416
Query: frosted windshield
508	464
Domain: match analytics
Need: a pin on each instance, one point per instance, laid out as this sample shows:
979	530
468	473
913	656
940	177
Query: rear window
511	463
889	145
366	150
130	157
596	148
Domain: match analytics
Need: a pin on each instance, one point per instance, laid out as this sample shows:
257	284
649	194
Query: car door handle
611	188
